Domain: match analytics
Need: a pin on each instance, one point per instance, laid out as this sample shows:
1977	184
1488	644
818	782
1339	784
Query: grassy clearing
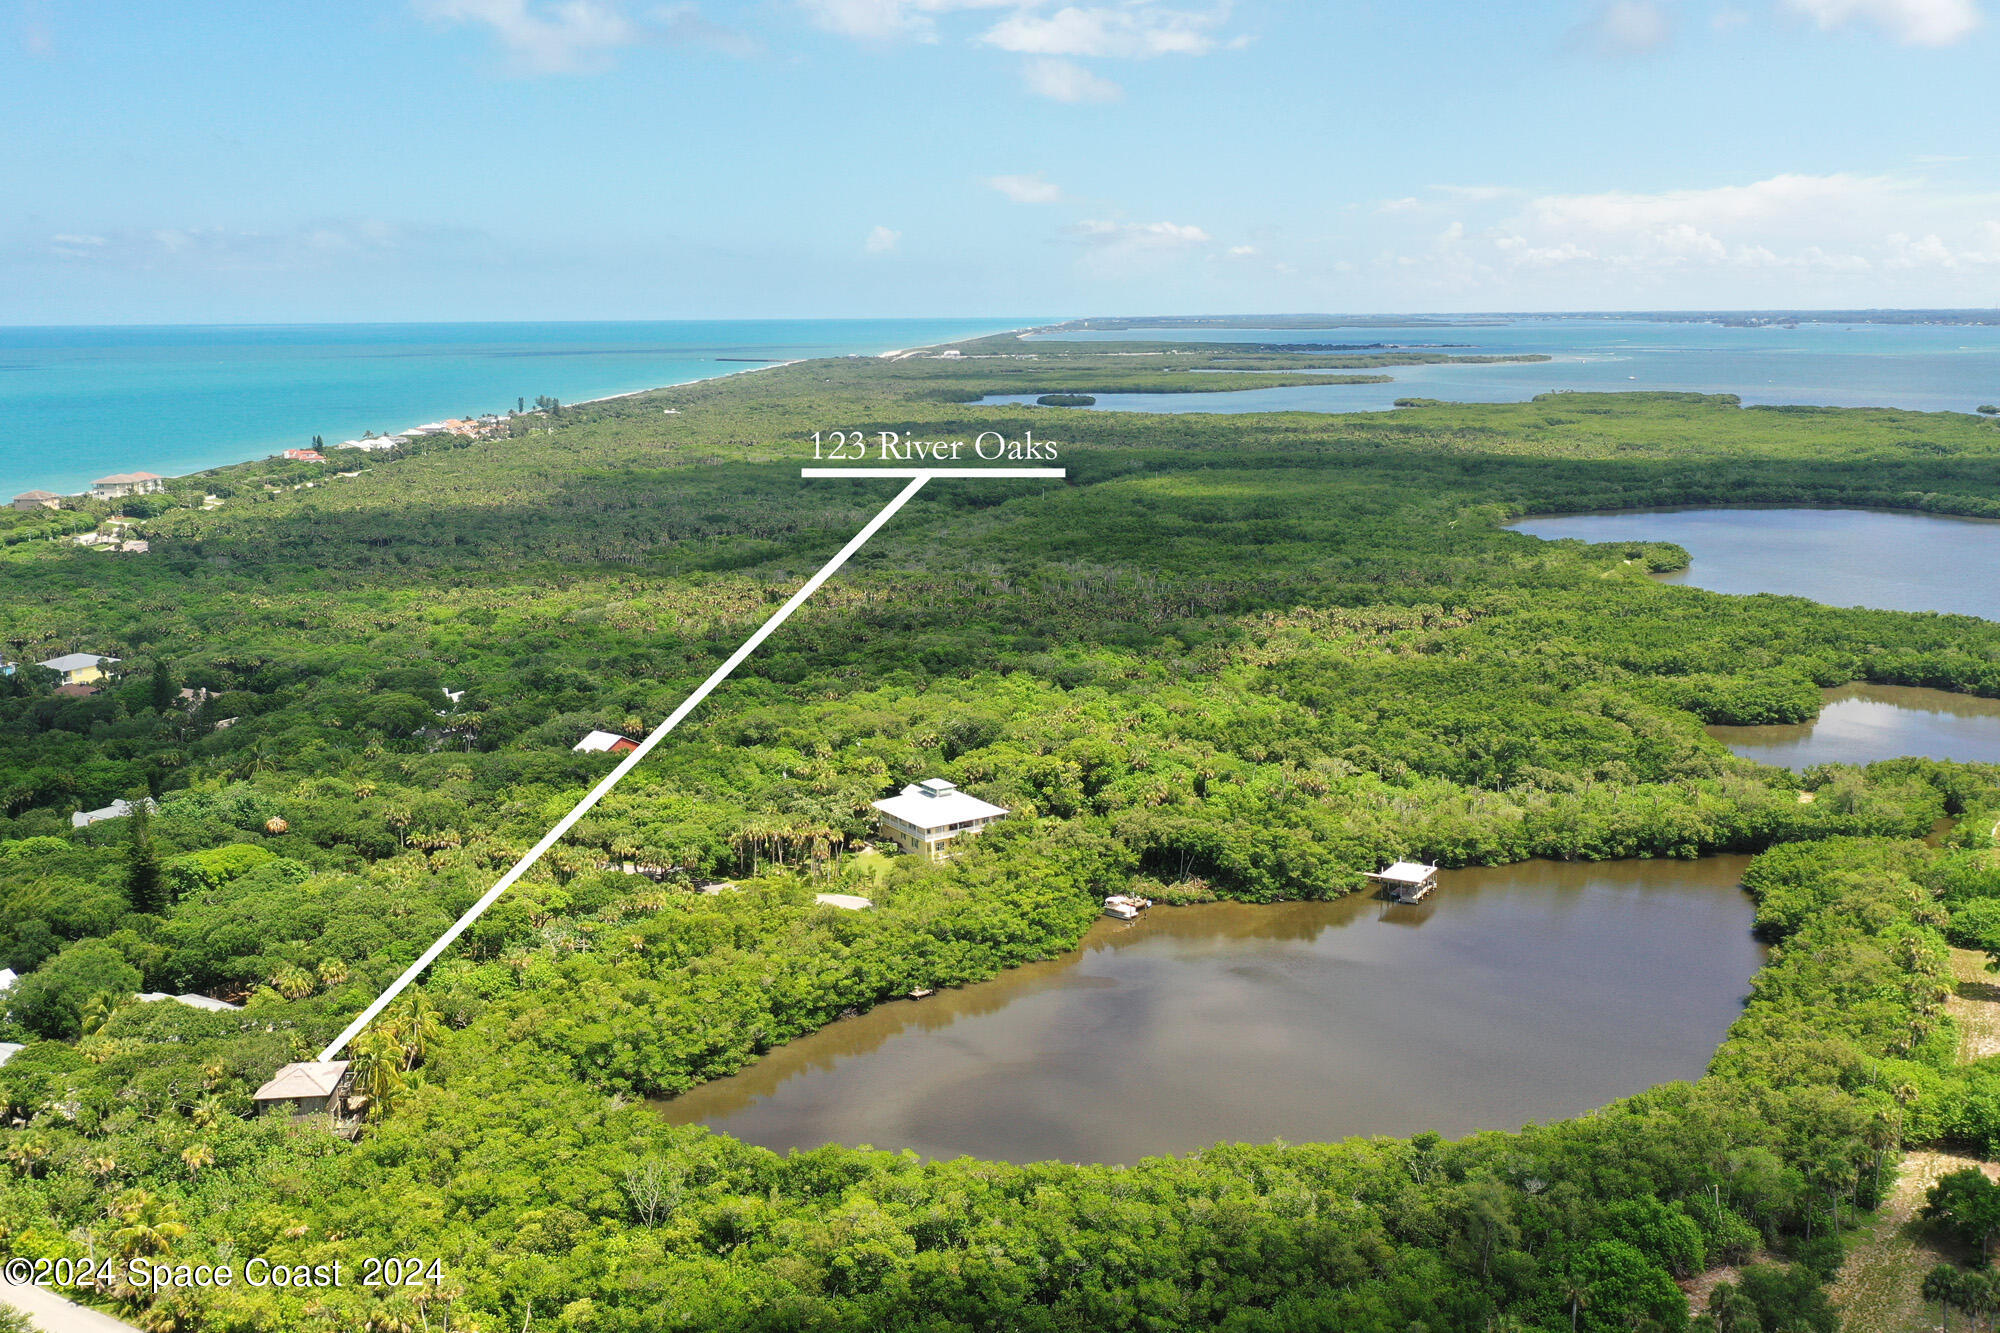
1878	1288
1974	1005
1887	1257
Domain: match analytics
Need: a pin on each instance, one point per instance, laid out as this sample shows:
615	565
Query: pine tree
143	887
165	693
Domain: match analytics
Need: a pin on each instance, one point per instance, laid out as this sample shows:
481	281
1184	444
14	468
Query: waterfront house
118	809
604	742
80	668
927	816
121	484
1407	881
305	455
38	500
308	1087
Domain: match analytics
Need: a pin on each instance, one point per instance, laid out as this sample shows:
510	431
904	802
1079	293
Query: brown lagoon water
1859	724
1519	993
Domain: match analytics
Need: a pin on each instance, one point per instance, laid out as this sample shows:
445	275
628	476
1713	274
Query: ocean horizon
80	401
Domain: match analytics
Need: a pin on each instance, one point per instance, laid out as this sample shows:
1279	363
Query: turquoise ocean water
77	403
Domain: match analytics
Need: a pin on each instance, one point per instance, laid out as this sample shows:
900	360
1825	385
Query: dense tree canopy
1250	658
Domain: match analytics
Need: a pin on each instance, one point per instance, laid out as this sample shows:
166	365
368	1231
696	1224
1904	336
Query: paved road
55	1315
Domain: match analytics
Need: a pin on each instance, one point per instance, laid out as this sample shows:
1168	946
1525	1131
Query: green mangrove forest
1245	657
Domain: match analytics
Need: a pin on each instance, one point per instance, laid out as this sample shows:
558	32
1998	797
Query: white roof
76	661
852	902
7	978
10	1049
935	803
207	1002
118	809
600	740
1406	872
307	1078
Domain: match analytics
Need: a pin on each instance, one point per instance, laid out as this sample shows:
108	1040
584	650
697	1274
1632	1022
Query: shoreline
581	402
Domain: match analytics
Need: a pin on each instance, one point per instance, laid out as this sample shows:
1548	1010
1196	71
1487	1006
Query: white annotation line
917	477
928	472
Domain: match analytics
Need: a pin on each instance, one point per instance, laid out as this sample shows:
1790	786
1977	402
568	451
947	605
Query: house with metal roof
926	817
118	809
1407	881
208	1002
604	742
80	668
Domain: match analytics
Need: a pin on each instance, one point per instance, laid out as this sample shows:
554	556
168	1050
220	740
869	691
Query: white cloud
561	37
1475	194
1789	198
1151	235
1625	28
1123	248
1131	31
308	246
1804	224
1027	189
1914	22
882	240
1242	251
1067	81
568	36
890	20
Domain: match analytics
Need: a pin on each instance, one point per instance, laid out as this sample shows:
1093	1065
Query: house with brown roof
309	1087
38	500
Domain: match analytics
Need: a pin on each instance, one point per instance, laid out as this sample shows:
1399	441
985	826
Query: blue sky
522	159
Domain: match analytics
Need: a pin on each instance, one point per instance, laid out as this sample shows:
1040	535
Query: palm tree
1575	1294
418	1028
147	1225
97	1012
292	982
1941	1284
379	1068
196	1156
